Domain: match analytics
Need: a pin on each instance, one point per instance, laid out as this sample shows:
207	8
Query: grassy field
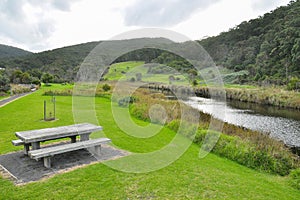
187	178
3	97
128	70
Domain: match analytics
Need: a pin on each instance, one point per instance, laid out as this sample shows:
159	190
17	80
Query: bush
106	87
132	79
248	154
19	89
124	102
68	92
294	84
295	178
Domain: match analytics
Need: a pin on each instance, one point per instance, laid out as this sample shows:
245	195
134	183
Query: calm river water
282	124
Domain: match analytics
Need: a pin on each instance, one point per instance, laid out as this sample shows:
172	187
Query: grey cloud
163	12
62	5
15	26
264	4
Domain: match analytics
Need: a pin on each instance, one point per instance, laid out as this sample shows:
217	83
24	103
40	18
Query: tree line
267	48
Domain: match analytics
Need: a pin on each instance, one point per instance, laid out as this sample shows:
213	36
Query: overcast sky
39	25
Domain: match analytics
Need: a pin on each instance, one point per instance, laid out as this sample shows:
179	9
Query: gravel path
22	169
12	98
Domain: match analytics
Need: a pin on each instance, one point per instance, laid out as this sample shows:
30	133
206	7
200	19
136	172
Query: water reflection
282	124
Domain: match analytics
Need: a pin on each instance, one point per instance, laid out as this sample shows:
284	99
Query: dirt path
12	98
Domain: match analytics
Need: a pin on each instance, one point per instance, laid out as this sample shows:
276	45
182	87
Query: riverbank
274	96
265	96
250	148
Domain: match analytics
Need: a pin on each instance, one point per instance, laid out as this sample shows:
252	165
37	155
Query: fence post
45	113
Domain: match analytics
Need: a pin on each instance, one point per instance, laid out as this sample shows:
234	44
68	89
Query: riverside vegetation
249	148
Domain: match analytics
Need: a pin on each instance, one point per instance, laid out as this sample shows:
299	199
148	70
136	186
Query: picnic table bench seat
48	152
17	142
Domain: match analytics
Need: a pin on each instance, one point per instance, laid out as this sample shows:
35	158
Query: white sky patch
41	25
218	18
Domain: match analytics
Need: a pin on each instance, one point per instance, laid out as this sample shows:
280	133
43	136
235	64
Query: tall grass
250	148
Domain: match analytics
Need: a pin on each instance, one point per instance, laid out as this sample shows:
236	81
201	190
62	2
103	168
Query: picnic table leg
47	162
36	145
98	149
85	137
26	148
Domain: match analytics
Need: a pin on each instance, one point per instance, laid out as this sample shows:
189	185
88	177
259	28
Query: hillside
267	47
9	51
265	50
61	62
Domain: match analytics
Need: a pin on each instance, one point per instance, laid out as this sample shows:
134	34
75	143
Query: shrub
295	178
67	92
124	102
294	84
106	87
132	79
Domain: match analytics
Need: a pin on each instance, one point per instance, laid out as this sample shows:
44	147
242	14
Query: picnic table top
57	132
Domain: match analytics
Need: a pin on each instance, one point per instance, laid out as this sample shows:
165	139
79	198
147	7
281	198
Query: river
281	124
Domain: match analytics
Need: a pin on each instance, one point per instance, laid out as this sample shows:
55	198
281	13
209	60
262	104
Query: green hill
262	50
9	51
267	47
61	62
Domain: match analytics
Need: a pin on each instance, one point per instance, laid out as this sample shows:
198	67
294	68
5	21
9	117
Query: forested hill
265	50
268	47
8	51
63	62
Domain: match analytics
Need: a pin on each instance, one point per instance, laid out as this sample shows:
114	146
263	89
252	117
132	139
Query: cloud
26	22
162	13
264	4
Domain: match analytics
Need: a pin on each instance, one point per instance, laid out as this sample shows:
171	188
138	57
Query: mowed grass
3	97
128	70
118	70
187	178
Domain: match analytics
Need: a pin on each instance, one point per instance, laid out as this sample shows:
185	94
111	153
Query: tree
4	83
25	78
16	76
47	78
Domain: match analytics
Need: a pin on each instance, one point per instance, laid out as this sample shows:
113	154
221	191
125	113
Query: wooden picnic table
35	137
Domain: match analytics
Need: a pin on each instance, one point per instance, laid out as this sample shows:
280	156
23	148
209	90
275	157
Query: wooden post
45	113
54	107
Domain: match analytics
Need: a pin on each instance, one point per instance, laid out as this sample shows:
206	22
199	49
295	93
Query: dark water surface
282	124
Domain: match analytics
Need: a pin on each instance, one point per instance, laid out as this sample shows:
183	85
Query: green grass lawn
4	97
117	71
187	178
127	70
